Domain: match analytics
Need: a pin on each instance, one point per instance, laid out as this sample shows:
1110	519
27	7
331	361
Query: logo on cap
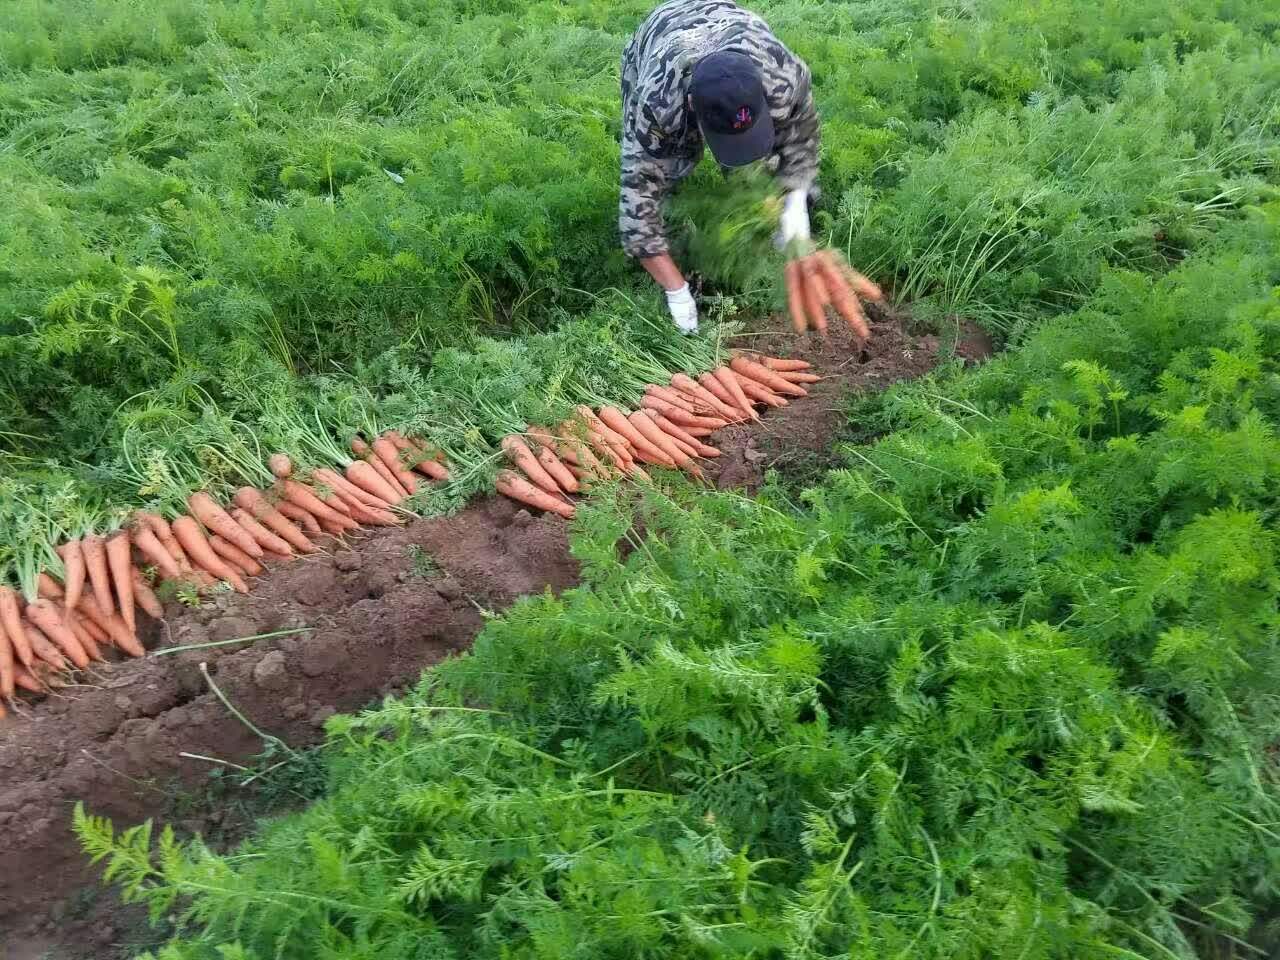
742	119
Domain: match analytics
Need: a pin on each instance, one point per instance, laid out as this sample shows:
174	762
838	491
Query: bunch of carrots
551	464
72	622
822	279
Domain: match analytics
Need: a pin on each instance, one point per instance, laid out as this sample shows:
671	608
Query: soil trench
370	615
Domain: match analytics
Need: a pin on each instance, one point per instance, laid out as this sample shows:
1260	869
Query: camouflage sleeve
797	138
646	182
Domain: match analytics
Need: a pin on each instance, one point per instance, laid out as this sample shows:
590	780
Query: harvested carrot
649	430
594	424
522	457
842	295
95	559
579	452
27	680
730	383
73	564
216	520
87	640
280	465
95	630
863	287
304	498
44	617
365	453
796	306
711	383
645	449
816	296
361	512
44	649
679	433
11	626
762	374
759	392
558	471
291	511
367	477
145	596
783	365
258	507
797	376
680	399
119	562
263	537
113	626
47	588
164	533
151	548
197	547
421	460
347	490
519	489
234	556
8	669
389	455
718	407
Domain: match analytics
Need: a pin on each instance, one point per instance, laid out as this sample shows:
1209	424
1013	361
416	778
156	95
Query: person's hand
794	224
684	310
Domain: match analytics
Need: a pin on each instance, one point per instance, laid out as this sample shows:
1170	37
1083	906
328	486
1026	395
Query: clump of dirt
353	624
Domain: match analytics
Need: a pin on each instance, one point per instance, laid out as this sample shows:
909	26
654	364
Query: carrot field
316	341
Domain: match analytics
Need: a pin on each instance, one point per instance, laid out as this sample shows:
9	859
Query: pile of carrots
75	622
552	464
107	580
822	279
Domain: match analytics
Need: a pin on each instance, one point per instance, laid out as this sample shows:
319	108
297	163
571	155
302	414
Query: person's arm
646	182
797	138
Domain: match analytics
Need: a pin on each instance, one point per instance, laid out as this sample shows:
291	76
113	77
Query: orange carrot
95	559
759	392
365	452
119	562
280	465
263	537
781	364
645	450
422	462
164	533
521	490
679	433
595	425
649	430
815	294
234	556
197	547
44	649
44	617
558	471
11	626
87	641
762	374
307	500
718	407
579	452
291	511
251	500
362	513
73	564
145	596
26	680
112	625
154	551
796	376
216	520
682	400
794	280
864	288
842	295
8	669
97	633
367	477
348	491
711	383
47	588
523	458
389	455
730	383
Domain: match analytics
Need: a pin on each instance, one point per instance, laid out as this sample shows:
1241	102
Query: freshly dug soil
139	739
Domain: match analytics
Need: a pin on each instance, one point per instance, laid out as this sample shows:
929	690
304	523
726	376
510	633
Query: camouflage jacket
661	143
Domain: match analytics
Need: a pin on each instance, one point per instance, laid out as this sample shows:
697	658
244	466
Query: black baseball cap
728	100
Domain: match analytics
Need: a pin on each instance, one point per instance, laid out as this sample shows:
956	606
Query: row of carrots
666	431
94	608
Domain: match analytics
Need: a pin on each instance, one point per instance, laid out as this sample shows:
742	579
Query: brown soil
370	616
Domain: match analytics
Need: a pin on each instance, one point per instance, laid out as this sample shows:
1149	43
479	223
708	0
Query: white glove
794	224
684	311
